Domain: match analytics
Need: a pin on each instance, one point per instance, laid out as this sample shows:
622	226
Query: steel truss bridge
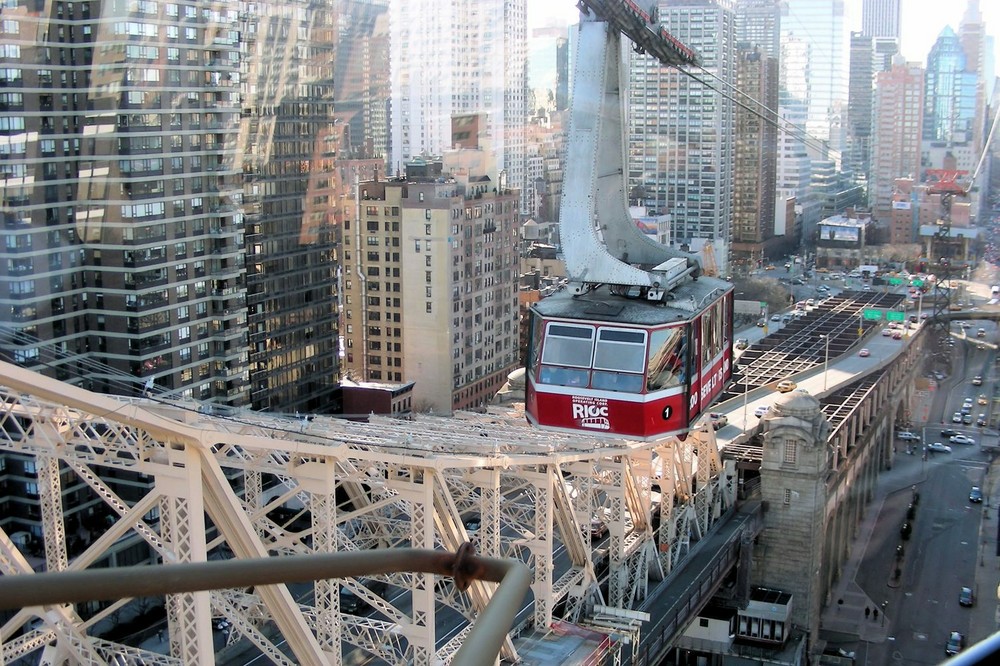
201	485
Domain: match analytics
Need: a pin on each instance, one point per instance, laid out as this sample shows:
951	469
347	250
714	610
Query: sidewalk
845	614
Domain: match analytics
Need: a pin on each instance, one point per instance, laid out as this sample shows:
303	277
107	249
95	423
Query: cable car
611	365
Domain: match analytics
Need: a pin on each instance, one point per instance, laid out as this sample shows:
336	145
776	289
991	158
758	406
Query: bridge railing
660	637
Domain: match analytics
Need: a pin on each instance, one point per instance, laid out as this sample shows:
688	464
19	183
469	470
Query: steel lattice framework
212	484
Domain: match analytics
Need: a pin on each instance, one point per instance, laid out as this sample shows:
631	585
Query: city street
952	540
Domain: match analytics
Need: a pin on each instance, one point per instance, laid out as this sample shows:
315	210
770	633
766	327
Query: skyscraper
758	24
857	157
793	175
122	267
457	58
881	18
680	134
291	141
821	24
950	92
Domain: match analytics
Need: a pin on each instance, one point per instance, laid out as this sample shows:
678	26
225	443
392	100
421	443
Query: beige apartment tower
430	284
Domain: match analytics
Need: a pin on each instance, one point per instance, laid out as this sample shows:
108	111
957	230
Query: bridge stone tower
796	462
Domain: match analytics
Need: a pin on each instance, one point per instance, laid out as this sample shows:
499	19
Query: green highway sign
875	315
895	281
892	315
917	283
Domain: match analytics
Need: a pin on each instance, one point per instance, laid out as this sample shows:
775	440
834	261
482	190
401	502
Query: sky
923	20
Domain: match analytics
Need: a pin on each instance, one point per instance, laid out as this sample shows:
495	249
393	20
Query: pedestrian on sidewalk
868	612
875	614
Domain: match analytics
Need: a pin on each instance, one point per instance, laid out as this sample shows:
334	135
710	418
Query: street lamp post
826	360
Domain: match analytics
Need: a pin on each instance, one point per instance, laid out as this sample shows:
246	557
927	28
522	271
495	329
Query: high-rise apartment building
896	146
756	154
291	142
680	133
123	253
457	58
430	283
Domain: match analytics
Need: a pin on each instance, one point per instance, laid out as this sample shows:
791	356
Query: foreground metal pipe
485	637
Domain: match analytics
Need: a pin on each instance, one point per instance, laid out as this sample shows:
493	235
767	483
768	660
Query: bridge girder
405	483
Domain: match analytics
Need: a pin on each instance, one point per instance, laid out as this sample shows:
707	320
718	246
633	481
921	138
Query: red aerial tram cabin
625	367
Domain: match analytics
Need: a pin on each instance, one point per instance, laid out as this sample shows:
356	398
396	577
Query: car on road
472	523
886	332
718	420
939	447
760	411
897	335
956	642
949	432
776	317
956	417
864	353
962	439
977	380
761	323
966	598
982	399
742	343
786	385
982	421
598	528
981	333
352	603
908	436
967	419
976	495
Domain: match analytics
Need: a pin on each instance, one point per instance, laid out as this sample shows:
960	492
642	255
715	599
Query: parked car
965	597
718	420
976	495
864	353
760	411
786	385
962	439
956	642
939	447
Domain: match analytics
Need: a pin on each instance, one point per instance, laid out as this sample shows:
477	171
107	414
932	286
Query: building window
788	495
791	452
429	308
